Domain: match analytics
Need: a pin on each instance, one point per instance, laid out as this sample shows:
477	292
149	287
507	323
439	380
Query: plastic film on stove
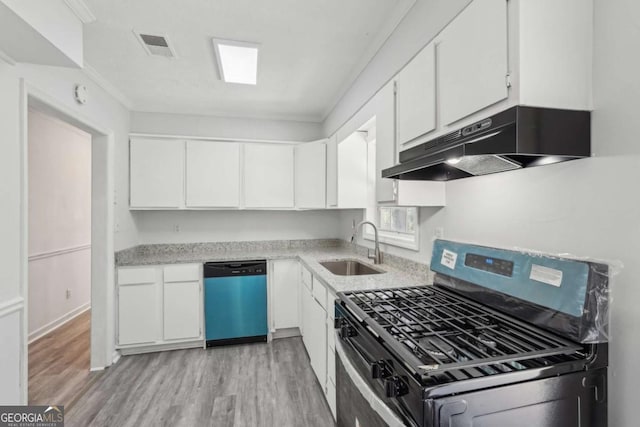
563	294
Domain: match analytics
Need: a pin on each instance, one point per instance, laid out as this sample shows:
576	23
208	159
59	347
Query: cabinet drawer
182	273
319	293
136	276
306	277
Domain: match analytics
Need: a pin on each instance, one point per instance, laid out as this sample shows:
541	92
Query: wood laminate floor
268	384
59	364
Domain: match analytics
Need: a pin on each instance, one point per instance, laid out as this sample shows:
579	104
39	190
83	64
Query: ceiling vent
156	45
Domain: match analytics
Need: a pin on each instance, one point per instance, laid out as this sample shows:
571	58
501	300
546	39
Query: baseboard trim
55	324
286	333
116	357
126	351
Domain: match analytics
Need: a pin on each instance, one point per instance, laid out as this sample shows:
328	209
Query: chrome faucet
377	256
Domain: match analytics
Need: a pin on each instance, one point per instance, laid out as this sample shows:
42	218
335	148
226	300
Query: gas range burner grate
440	331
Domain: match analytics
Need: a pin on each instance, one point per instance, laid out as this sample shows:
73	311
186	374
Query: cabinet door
268	175
416	97
213	174
318	341
385	141
352	172
307	331
472	60
285	283
311	175
182	302
157	173
138	319
332	171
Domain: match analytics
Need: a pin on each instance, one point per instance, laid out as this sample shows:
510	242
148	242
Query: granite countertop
398	272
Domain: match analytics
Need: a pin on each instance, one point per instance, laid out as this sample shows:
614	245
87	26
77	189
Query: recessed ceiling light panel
237	61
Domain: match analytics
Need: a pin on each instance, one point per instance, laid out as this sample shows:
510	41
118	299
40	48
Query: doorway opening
57	298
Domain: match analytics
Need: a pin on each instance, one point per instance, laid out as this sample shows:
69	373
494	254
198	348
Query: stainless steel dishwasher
235	302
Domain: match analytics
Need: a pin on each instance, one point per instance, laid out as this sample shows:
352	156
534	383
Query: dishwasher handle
233	268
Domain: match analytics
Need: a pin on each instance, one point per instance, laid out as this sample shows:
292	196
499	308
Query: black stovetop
443	337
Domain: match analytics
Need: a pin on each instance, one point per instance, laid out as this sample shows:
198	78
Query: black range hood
516	138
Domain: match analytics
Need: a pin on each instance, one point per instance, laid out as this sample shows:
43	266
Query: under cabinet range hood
517	138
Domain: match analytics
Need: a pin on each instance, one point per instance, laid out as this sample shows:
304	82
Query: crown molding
81	10
6	58
94	75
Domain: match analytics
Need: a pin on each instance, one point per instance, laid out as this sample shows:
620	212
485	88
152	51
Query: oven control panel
490	264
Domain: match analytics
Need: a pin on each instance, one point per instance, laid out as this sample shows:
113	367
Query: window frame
392	238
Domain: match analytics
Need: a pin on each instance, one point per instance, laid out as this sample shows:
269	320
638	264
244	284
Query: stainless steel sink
349	267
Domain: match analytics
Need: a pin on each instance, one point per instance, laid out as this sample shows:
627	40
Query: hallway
59	364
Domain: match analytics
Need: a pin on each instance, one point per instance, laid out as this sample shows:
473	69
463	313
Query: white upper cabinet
416	97
555	53
385	141
268	175
213	174
332	171
395	192
352	172
156	173
472	60
311	175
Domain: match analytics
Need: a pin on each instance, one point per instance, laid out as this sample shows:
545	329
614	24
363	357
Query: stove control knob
347	331
395	387
379	370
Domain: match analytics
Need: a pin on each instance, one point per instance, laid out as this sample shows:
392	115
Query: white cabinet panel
310	172
182	303
319	293
131	276
307	331
331	398
157	173
416	96
332	171
213	174
285	284
138	314
352	172
385	141
472	60
318	341
268	175
182	273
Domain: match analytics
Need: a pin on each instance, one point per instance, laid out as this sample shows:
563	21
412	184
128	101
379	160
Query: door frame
102	225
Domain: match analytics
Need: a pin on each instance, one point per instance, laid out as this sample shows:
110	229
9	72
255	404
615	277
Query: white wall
588	208
10	320
59	222
224	127
235	226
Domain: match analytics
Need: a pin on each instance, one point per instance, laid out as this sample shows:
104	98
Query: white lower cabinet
138	320
318	341
284	276
181	316
317	332
159	305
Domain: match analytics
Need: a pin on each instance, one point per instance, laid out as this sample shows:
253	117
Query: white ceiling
311	52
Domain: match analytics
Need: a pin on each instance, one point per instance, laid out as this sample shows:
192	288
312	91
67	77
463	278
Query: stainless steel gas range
502	338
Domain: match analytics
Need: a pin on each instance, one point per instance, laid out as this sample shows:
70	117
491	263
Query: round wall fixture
81	94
